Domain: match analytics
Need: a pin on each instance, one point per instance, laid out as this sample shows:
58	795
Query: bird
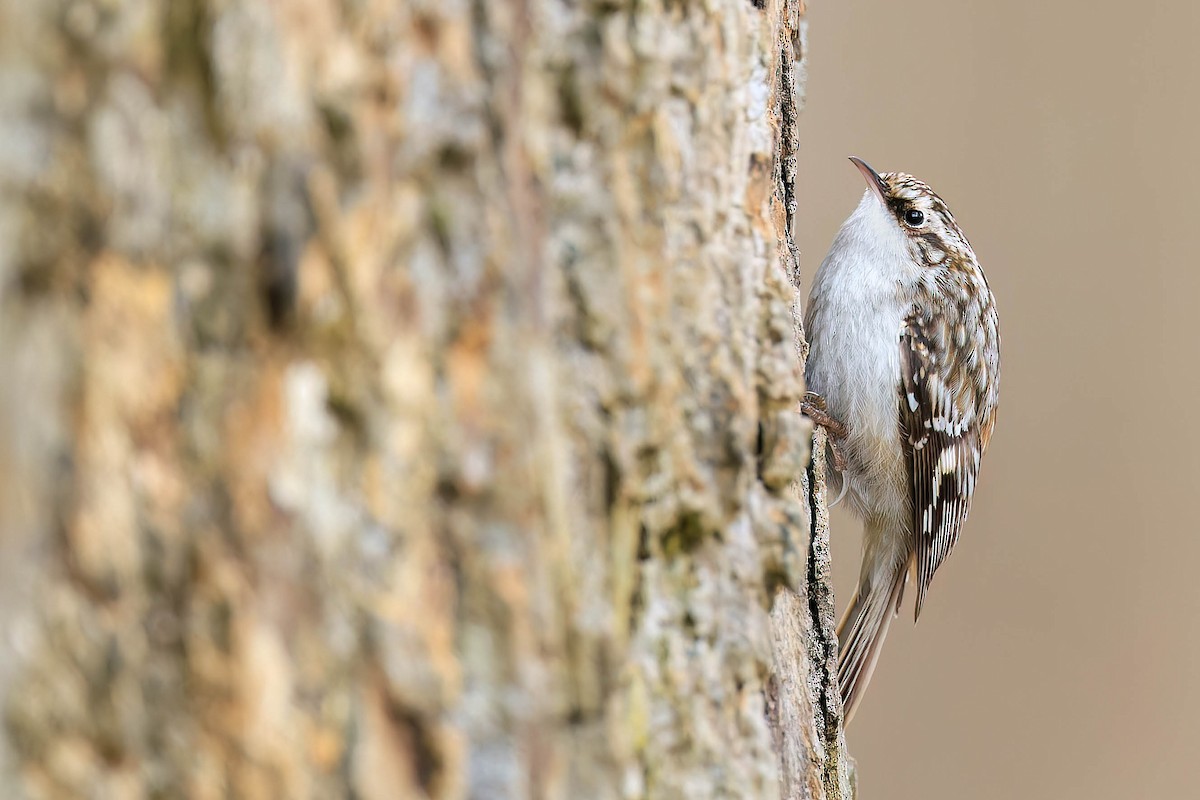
903	370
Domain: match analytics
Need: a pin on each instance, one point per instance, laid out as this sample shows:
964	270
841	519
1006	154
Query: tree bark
400	400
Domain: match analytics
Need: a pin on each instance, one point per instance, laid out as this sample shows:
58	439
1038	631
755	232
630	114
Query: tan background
1059	654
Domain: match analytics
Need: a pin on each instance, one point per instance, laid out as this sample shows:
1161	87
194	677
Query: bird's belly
854	363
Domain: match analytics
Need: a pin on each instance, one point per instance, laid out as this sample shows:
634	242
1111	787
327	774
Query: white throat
871	234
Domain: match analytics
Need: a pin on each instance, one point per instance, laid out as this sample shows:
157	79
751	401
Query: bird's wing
946	418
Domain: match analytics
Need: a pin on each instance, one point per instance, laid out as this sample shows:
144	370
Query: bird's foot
814	407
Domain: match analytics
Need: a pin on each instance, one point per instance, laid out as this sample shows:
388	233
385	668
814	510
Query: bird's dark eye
914	217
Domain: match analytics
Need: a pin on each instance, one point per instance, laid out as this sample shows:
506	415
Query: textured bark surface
400	401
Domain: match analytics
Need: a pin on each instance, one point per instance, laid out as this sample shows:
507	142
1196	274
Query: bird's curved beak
873	180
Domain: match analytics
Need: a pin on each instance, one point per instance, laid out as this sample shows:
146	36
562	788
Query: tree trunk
400	400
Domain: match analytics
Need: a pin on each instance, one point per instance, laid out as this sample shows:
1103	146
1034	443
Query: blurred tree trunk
399	400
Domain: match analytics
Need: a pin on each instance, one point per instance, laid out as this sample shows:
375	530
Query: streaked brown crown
938	241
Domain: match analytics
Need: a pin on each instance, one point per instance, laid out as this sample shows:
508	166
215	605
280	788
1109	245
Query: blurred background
1059	652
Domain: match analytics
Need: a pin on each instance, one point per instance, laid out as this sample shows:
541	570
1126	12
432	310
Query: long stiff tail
862	631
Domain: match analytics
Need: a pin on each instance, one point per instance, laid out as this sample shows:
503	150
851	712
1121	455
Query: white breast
859	299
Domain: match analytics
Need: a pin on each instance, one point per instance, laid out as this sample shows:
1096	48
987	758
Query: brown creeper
905	353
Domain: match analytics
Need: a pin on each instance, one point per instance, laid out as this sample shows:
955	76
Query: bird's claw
814	400
815	408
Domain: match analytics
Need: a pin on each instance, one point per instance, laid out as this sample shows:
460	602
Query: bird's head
909	215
